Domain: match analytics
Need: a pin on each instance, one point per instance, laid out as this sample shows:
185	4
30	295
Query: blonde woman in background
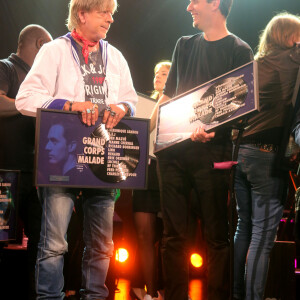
161	72
260	191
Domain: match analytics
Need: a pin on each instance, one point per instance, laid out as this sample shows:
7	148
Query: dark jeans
182	168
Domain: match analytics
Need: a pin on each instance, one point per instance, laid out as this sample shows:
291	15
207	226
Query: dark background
144	30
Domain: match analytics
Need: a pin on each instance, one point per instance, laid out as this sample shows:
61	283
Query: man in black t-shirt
17	134
188	165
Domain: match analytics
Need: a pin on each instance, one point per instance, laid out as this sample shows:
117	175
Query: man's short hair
225	7
87	5
30	34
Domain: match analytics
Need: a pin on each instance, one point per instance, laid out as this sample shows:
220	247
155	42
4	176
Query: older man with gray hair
74	73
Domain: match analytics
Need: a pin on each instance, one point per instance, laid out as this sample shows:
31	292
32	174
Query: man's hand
113	115
89	111
200	135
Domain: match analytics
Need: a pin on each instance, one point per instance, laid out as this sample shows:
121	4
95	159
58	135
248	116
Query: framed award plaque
216	103
71	154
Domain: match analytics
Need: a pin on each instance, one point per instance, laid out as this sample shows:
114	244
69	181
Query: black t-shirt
196	61
16	132
93	74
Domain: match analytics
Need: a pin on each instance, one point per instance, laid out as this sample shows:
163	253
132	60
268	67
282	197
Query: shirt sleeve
171	83
38	88
7	105
127	92
243	55
4	78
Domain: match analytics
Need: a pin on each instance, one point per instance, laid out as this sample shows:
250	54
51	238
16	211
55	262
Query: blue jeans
98	208
259	197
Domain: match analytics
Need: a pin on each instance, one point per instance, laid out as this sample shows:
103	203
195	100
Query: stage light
121	255
196	260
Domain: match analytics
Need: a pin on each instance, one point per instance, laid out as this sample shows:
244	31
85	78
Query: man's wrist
66	106
126	108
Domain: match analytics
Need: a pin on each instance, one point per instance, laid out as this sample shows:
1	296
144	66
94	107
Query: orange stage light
196	260
121	255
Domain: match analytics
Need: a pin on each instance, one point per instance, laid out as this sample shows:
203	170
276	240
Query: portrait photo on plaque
71	154
216	103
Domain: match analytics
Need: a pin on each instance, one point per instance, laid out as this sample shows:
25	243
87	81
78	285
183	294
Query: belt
266	147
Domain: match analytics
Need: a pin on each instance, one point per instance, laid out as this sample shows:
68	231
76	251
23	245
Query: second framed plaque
213	104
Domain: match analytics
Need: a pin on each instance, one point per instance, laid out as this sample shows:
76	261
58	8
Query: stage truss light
121	255
196	260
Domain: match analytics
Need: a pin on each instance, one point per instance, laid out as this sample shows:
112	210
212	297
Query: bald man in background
17	134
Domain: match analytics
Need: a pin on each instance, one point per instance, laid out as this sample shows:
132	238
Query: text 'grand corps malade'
96	149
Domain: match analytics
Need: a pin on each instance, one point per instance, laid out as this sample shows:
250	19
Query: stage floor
197	290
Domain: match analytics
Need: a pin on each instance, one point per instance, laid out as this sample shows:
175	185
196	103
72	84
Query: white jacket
56	74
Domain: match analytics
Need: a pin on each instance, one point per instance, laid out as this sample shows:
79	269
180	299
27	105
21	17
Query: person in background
17	135
146	206
79	72
161	72
187	166
260	188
